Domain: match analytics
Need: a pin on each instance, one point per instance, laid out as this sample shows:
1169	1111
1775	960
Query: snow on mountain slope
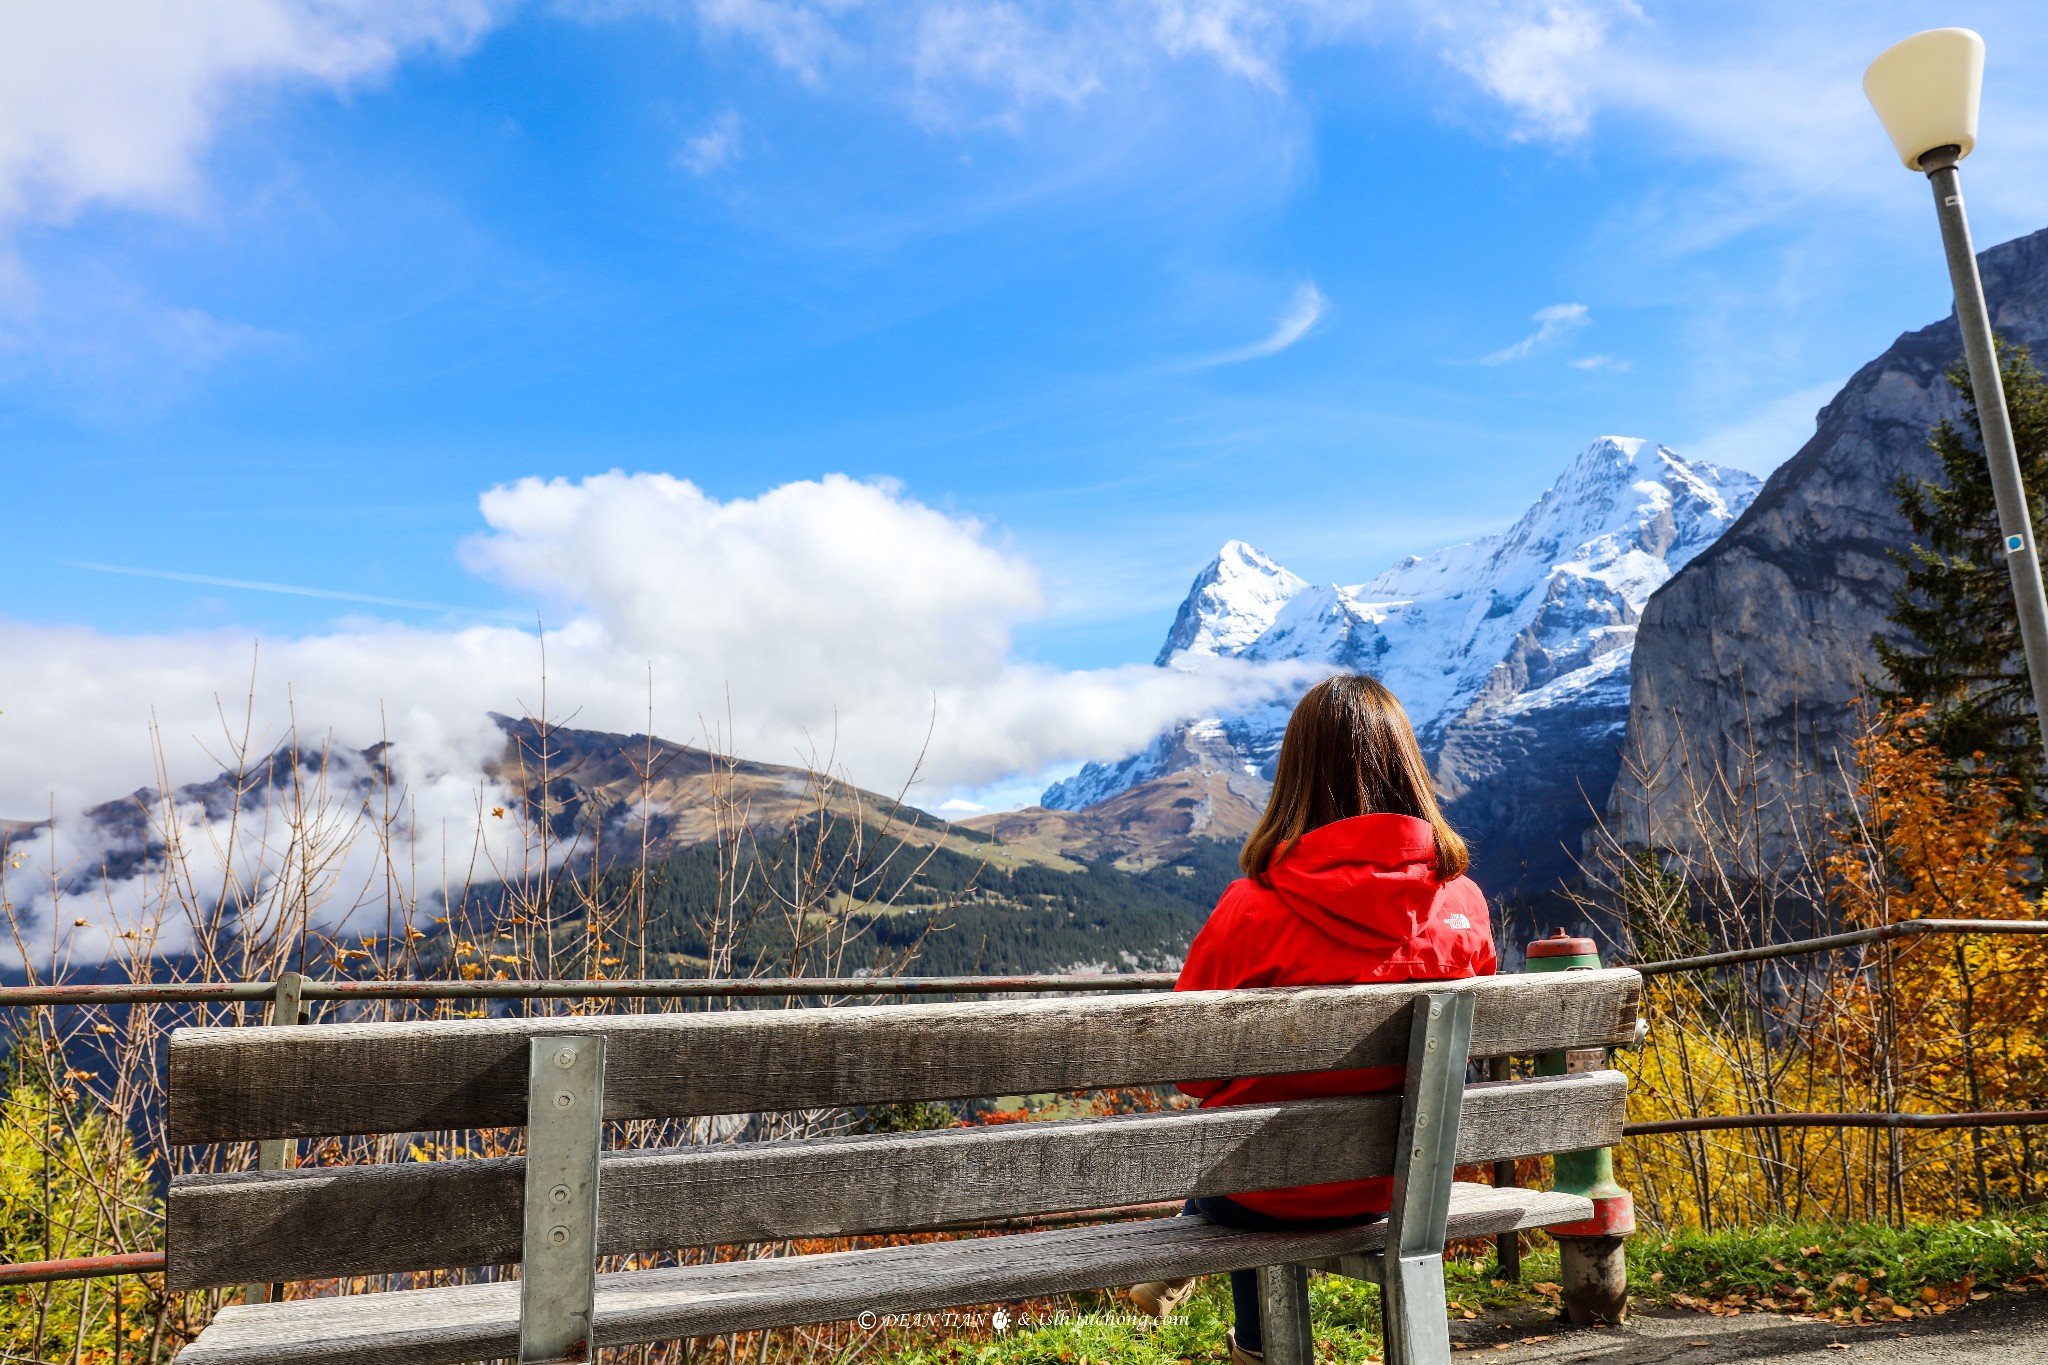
1503	631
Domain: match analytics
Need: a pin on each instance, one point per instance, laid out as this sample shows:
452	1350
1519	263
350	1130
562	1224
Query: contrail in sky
292	589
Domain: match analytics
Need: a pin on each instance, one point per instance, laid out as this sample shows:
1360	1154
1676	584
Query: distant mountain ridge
960	900
1510	652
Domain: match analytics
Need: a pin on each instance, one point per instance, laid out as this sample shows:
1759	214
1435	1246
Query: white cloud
1239	35
797	36
717	146
829	614
1551	323
1758	106
1540	60
113	100
1600	362
959	49
1304	311
1767	438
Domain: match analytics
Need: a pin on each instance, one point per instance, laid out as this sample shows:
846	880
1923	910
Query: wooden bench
568	1202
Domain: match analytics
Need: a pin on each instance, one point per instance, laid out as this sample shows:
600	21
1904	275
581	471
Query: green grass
1346	1314
1689	1268
1830	1260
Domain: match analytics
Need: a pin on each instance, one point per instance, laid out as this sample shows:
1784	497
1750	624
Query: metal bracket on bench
1426	1156
564	1138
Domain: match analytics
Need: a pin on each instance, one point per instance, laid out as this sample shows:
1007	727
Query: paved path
2006	1328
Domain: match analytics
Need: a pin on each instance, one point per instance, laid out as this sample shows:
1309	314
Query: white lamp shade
1925	91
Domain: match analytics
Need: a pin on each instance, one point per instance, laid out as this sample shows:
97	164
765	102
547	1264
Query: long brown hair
1349	750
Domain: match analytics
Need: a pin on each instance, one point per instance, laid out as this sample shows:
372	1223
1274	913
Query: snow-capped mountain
1232	604
1498	648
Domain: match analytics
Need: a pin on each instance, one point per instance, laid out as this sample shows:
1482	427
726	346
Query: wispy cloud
1600	362
1551	323
1304	311
796	36
293	590
719	145
1539	59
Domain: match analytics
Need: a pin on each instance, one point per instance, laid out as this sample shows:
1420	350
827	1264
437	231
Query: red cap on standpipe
1561	944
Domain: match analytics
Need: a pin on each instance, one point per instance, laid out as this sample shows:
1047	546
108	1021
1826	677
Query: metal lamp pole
1925	91
2022	558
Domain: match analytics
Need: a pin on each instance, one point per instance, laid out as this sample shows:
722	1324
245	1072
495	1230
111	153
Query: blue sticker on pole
2014	544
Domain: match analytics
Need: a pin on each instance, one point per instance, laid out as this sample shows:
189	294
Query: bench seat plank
319	1223
240	1084
480	1322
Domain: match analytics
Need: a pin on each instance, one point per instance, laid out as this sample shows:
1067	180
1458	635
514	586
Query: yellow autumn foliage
1926	1024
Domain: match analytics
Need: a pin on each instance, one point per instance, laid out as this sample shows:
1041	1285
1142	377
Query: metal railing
152	1262
1854	938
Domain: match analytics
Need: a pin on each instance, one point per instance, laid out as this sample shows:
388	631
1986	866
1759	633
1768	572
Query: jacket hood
1369	880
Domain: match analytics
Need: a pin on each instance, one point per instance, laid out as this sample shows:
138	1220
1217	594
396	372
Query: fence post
278	1154
1593	1251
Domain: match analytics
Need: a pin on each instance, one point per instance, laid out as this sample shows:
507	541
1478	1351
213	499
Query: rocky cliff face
1511	653
1748	662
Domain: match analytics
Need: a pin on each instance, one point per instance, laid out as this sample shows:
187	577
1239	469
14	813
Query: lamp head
1925	92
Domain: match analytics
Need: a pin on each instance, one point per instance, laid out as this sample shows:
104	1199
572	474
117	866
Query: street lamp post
1925	92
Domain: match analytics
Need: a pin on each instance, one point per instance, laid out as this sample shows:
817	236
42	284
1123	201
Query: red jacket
1352	902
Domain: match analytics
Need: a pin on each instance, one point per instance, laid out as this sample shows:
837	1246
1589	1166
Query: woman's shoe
1239	1355
1158	1298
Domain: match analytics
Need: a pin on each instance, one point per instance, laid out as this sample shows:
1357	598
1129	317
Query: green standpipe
1593	1251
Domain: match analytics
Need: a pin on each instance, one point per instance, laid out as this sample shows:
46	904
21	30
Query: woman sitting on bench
1352	876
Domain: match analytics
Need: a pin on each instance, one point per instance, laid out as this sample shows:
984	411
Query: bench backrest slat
312	1224
252	1083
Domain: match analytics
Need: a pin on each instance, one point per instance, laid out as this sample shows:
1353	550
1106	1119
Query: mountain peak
1610	459
1240	552
1624	447
1231	603
1535	618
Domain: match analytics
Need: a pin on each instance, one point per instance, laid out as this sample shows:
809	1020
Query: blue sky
284	290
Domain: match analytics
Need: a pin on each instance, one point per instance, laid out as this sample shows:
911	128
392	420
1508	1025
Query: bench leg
1283	1295
1417	1317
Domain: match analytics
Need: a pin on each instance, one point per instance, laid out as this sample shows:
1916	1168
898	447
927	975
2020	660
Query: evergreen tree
1963	658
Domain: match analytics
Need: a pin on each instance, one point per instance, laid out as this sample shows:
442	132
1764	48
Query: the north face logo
1457	921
